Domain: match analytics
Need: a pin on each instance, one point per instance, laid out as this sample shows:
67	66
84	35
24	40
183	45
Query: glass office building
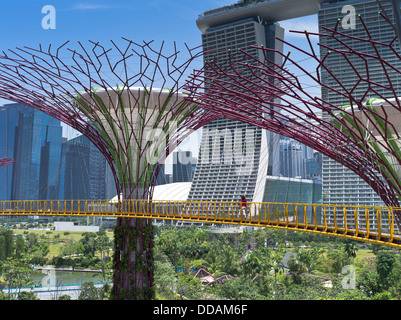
33	139
84	172
47	166
9	118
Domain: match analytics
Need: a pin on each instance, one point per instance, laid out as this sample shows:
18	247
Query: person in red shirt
243	206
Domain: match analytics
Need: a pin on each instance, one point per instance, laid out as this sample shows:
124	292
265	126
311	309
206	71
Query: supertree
115	96
362	135
6	161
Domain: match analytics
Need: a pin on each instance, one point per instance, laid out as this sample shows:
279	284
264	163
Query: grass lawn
55	244
362	254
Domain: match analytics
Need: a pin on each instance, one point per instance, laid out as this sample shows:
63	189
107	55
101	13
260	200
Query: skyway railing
366	223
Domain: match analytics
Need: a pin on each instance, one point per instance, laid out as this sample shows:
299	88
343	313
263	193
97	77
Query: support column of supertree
364	135
6	161
114	96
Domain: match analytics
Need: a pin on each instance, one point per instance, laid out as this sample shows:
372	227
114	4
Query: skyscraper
183	164
74	173
341	185
84	172
31	138
234	157
9	118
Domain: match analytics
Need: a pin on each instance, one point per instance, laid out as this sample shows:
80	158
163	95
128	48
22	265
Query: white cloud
93	6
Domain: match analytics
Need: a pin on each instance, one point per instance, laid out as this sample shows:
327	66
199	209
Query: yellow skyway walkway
365	223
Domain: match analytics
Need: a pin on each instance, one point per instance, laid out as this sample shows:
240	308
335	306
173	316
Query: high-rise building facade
9	118
244	24
341	185
234	157
48	166
74	169
33	139
84	172
183	166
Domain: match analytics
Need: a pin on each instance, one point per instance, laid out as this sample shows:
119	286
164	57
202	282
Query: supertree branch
361	133
117	97
257	106
99	94
6	161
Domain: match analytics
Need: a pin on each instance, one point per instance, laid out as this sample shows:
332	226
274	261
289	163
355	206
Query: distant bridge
373	224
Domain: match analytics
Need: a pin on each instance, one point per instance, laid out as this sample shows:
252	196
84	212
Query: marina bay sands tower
237	158
341	185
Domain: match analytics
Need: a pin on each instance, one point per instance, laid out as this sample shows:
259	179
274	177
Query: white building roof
177	191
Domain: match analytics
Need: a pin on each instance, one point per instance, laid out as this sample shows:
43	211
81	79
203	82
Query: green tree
164	276
69	248
368	282
229	262
252	266
384	266
103	245
277	268
88	241
212	262
350	250
19	246
337	260
89	292
16	273
32	241
6	244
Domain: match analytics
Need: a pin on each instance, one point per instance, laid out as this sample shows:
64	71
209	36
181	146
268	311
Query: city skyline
102	21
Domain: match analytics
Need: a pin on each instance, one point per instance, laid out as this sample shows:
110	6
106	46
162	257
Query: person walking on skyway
243	206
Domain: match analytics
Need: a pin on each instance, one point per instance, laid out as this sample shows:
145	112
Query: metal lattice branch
6	161
362	135
110	95
115	96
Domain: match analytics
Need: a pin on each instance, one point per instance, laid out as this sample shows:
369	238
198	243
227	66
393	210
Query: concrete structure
235	157
73	226
270	10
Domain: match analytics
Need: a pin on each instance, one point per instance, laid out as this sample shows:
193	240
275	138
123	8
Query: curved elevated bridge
365	223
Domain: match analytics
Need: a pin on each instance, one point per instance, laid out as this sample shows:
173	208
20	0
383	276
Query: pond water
42	278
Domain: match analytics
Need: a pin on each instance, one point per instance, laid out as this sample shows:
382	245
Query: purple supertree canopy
362	134
6	161
115	96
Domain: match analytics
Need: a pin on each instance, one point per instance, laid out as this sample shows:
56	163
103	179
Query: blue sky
101	20
20	21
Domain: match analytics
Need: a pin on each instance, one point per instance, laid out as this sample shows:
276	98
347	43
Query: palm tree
211	261
251	265
229	261
351	249
277	268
